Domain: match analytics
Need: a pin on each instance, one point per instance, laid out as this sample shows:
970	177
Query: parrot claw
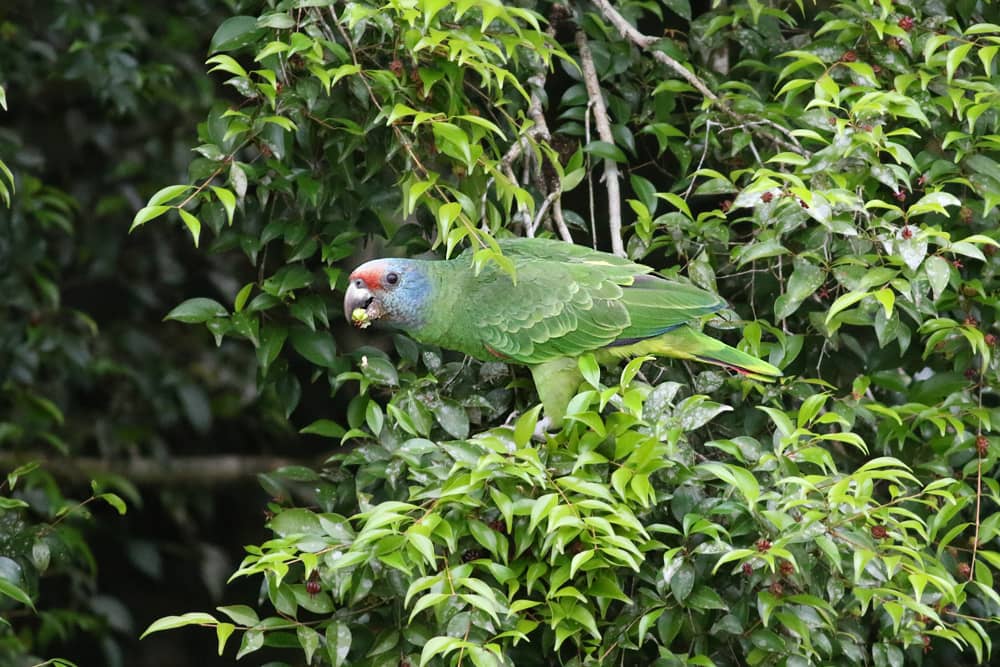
541	432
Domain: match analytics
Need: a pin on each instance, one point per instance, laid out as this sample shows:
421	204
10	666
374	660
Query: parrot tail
711	351
687	343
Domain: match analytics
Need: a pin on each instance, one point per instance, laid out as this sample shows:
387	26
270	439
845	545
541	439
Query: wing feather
569	299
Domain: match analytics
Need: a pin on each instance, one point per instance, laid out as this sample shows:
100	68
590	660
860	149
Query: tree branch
604	132
178	471
646	42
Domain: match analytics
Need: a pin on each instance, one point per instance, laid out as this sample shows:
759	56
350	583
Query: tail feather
687	343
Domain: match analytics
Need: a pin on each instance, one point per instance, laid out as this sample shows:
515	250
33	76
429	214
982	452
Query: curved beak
358	303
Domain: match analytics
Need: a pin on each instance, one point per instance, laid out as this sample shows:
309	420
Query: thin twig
533	227
979	479
557	216
704	152
590	179
646	42
604	132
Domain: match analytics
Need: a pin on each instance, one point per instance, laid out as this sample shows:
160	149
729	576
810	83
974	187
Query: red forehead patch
370	273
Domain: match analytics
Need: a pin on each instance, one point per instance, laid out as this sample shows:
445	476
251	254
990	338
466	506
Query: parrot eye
392	278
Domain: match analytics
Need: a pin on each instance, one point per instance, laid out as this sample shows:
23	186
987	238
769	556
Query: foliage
831	171
97	104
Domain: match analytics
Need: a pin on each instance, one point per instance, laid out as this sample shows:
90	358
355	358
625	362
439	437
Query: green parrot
567	300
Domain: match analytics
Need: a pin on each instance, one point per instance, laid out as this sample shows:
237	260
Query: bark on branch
788	141
600	111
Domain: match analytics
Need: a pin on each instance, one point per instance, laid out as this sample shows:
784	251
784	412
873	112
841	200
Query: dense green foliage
101	100
831	171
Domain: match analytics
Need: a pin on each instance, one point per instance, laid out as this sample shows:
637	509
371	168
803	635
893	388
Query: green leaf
114	500
146	214
524	428
933	202
309	641
452	417
253	640
682	582
296	521
541	508
222	632
192	223
16	593
758	251
680	7
956	57
317	347
605	150
338	642
439	646
167	194
325	428
287	279
235	33
241	614
740	478
843	302
228	201
806	278
173	622
938	271
590	370
197	310
226	64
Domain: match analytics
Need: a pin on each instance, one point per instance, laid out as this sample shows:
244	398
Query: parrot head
386	291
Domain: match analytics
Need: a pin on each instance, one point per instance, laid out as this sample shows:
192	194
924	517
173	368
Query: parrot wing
570	299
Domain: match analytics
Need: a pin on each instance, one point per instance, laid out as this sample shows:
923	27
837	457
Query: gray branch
646	42
603	123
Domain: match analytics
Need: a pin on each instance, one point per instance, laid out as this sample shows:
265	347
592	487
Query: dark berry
879	532
766	197
849	57
906	23
313	584
471	555
776	588
907	231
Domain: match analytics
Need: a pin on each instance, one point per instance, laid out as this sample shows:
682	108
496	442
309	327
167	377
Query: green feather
569	300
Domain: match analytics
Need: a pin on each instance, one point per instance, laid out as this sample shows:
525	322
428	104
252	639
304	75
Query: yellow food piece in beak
359	317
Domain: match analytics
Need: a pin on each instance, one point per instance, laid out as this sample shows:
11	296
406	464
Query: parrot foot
541	432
